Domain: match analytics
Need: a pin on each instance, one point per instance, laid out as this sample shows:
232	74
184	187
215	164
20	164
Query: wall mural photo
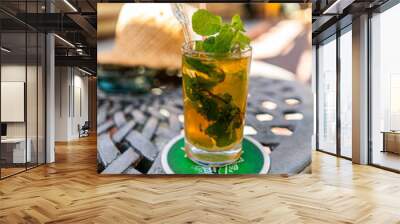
196	88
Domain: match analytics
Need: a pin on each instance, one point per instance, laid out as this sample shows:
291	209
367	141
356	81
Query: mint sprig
219	37
224	116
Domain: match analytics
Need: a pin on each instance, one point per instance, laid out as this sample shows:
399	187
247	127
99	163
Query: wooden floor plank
70	191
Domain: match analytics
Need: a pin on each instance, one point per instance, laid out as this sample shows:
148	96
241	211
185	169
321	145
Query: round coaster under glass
254	160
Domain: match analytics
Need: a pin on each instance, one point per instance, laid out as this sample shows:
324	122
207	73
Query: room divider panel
22	77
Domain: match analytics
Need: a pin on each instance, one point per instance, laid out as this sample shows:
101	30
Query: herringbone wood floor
70	191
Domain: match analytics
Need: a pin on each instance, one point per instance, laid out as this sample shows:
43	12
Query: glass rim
187	48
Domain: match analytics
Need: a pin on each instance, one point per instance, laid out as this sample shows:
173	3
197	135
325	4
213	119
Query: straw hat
147	34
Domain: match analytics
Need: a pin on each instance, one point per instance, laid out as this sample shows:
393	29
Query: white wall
71	87
81	83
62	80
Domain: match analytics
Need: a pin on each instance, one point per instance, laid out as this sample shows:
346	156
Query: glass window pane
346	93
385	89
13	86
327	96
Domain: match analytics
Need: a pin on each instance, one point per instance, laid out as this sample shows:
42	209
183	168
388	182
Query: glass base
213	158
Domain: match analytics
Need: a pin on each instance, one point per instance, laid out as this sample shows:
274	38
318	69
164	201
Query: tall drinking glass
215	87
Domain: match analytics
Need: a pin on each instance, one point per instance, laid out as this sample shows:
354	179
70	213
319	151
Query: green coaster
254	160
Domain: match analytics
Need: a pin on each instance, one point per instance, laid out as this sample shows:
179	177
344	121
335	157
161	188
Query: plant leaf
205	23
199	45
237	23
209	44
242	40
223	41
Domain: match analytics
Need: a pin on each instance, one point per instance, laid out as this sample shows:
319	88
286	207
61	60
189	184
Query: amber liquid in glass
215	96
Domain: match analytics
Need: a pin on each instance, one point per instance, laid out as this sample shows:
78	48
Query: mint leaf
227	97
209	108
223	41
194	85
237	23
210	70
229	119
205	23
226	139
199	45
223	129
241	40
209	44
217	75
196	64
220	37
218	131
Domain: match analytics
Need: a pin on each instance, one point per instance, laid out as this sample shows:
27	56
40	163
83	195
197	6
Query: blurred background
280	33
